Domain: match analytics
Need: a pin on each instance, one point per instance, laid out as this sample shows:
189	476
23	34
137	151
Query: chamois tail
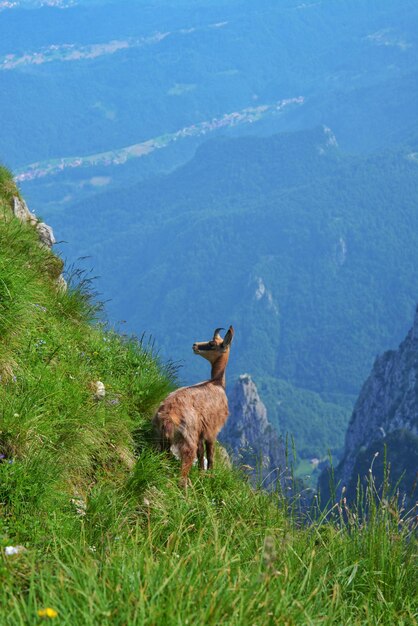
164	430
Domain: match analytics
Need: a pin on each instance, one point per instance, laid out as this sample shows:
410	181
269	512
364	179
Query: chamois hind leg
161	435
188	455
201	454
165	444
210	449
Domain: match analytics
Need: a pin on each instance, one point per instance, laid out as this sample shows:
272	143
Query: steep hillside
94	529
384	425
73	396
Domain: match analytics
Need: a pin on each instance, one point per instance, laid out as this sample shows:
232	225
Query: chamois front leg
201	455
210	449
188	455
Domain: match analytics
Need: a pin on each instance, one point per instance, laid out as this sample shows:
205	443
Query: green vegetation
399	451
108	536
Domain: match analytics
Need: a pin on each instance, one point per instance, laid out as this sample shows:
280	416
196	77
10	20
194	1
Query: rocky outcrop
45	233
385	416
21	211
249	437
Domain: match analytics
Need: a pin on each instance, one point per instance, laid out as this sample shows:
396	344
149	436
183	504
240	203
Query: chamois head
213	349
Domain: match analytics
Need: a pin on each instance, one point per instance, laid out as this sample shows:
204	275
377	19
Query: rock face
250	438
21	211
45	233
385	414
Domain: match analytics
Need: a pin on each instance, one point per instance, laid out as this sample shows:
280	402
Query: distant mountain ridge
84	71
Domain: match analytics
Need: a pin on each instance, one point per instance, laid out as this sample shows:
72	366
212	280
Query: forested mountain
309	252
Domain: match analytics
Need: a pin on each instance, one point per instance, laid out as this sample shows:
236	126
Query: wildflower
12	550
80	505
269	554
48	612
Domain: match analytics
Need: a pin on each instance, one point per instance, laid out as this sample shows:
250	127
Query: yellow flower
48	612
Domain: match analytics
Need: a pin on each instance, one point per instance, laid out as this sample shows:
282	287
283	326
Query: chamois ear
216	333
228	337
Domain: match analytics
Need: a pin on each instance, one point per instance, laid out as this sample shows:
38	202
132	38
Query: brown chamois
191	417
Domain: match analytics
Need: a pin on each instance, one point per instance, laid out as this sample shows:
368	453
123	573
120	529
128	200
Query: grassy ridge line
112	543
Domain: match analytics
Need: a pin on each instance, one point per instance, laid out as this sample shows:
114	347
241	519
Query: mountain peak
249	435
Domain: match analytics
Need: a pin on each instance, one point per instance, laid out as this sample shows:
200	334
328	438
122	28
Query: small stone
98	389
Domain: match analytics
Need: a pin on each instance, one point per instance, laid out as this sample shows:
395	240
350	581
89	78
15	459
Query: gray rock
386	411
252	441
98	389
46	234
21	211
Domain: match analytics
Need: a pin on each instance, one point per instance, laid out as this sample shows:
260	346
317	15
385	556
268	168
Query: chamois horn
216	333
228	337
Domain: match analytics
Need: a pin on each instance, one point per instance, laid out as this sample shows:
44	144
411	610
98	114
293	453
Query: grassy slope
109	542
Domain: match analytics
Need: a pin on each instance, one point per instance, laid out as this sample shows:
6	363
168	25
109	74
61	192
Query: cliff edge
384	423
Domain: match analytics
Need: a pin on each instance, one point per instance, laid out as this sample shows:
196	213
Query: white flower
10	550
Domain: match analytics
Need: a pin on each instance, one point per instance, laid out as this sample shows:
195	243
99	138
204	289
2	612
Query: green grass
109	536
